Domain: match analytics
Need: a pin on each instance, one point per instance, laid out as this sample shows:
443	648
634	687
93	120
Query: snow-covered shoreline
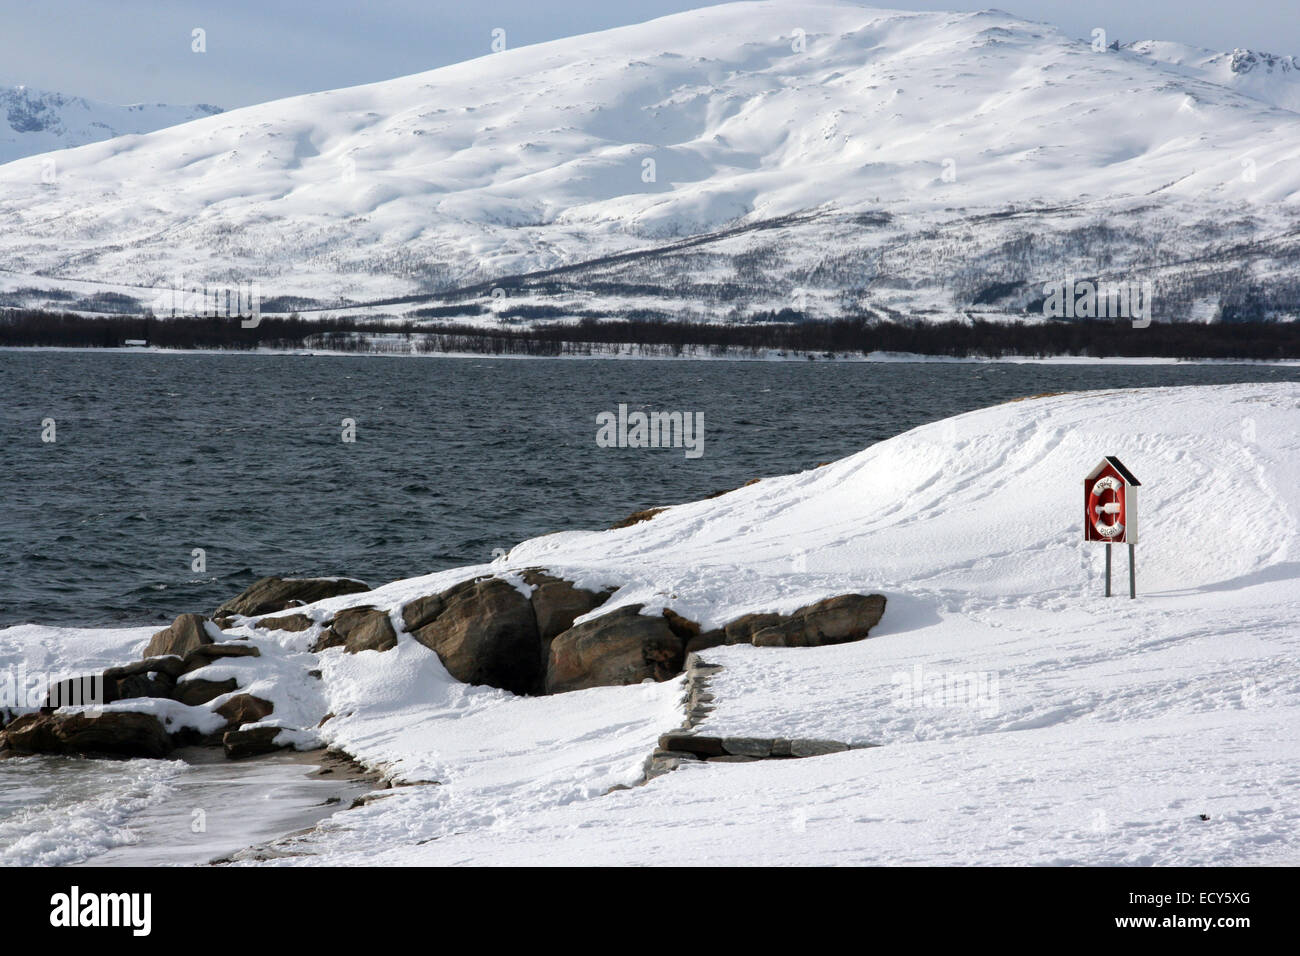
1157	731
771	355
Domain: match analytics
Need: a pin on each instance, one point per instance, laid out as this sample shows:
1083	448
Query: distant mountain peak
1244	61
37	121
1270	77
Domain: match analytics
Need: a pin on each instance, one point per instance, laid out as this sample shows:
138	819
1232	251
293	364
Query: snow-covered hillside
824	157
1017	716
37	121
1265	76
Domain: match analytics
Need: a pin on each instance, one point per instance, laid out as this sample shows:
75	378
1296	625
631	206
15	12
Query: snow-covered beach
1100	731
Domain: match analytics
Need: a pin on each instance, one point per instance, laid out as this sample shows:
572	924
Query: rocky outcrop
755	748
113	733
251	741
184	634
557	603
636	518
270	594
485	633
622	647
421	611
359	629
489	630
835	620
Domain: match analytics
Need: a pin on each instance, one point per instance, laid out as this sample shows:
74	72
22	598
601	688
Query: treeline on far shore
977	338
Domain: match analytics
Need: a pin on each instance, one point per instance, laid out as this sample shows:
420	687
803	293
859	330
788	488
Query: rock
846	617
116	733
205	655
327	638
198	691
486	634
286	622
90	691
747	746
171	665
680	741
155	684
703	641
151	677
556	603
279	594
816	748
417	613
251	741
182	636
743	628
623	647
681	626
364	629
636	518
245	709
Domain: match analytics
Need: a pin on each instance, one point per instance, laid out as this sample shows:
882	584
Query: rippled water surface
241	455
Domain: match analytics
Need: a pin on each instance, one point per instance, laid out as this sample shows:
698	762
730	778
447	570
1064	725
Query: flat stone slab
751	748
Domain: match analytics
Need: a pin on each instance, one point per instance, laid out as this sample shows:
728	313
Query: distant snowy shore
699	354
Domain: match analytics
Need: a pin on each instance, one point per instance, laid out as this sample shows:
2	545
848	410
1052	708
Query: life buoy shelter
1110	503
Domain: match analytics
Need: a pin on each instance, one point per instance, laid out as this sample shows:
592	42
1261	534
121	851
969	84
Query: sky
134	51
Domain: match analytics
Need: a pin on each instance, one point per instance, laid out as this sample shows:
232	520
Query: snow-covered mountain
37	121
737	159
1265	76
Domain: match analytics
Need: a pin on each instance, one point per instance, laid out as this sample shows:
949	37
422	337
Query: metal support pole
1132	574
1107	569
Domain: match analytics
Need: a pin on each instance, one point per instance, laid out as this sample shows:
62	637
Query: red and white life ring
1105	499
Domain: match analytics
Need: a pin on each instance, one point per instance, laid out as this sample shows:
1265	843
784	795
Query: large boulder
556	603
205	655
92	690
115	733
622	647
151	677
251	741
835	620
743	628
486	634
198	691
359	629
245	709
270	594
417	613
183	635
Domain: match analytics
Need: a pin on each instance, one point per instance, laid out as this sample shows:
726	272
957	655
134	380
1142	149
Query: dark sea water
241	455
